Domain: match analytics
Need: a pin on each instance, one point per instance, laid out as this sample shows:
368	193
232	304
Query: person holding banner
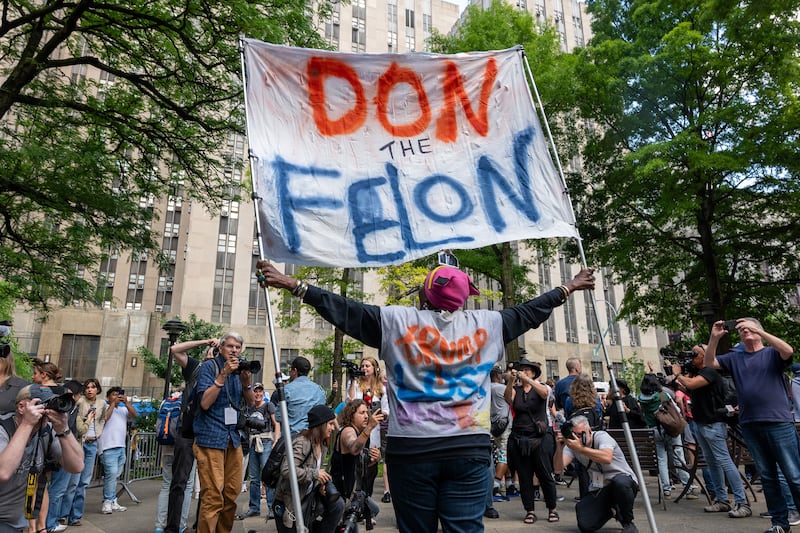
438	360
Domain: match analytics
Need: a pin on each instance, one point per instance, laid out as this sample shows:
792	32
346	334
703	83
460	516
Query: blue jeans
79	502
57	491
666	443
113	466
712	439
163	494
774	445
451	491
254	466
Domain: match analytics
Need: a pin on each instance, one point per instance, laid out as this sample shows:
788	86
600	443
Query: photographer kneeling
319	496
612	485
351	459
36	435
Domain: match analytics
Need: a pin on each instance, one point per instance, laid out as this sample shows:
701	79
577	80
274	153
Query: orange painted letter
318	71
453	88
394	76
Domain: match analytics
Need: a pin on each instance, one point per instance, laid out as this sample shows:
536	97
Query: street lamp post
173	327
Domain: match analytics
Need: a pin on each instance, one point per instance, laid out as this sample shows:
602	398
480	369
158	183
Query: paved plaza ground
685	516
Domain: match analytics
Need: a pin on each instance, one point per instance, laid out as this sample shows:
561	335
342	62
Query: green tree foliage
81	154
196	329
690	189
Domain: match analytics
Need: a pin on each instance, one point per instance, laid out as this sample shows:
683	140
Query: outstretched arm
360	321
520	318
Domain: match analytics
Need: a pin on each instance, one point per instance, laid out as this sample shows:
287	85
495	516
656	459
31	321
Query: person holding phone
111	446
352	458
369	387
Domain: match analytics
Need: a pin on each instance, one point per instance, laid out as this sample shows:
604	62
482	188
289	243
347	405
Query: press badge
230	416
596	482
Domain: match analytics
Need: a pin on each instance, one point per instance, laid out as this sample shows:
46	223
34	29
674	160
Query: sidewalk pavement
685	516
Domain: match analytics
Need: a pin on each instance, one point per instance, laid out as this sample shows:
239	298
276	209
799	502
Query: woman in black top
531	444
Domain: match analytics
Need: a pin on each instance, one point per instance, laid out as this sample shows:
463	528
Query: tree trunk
507	286
338	340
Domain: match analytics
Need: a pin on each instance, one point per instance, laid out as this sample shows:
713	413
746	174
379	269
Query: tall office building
212	258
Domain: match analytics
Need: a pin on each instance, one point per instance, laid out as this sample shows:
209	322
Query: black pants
594	509
181	469
539	462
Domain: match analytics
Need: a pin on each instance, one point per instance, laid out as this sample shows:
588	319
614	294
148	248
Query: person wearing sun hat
309	448
438	359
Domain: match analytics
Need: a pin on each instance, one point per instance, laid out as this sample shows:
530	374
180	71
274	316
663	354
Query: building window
591	323
570	322
549	325
78	356
598	373
551	368
287	356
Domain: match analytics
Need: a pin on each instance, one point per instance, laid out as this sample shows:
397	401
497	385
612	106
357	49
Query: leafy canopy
690	189
105	106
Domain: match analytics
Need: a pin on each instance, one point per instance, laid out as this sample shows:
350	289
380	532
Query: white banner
372	159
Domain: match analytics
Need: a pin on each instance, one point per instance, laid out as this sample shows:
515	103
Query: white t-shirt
115	430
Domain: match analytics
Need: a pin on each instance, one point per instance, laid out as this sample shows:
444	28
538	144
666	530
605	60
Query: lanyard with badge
231	412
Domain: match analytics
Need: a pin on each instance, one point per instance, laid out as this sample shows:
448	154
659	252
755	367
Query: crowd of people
454	430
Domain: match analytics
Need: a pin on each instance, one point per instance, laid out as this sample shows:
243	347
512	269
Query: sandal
530	518
553	516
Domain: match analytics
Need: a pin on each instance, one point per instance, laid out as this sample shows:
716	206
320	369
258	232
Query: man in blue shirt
220	388
764	409
301	395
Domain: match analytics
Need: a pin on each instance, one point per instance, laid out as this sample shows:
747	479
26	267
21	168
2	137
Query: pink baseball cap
447	288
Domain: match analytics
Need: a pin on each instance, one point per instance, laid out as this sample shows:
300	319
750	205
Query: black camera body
256	423
683	359
567	431
353	370
254	367
63	403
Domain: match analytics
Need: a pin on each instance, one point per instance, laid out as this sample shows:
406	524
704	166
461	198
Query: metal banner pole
612	384
300	526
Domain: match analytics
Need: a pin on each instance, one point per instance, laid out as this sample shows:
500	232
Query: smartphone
729	325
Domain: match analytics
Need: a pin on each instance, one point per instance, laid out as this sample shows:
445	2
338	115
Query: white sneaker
117	507
107	509
794	518
58	528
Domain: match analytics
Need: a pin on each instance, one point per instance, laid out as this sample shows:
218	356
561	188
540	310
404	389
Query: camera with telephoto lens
355	512
254	367
682	358
353	370
63	403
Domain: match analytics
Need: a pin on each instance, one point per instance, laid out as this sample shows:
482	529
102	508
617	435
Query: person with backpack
32	437
319	496
651	395
222	388
183	463
167	427
706	389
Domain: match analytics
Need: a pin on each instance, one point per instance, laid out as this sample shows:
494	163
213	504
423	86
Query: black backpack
191	406
272	468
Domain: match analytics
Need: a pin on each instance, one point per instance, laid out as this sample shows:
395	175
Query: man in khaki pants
216	447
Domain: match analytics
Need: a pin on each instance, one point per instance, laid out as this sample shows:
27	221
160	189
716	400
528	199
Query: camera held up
353	370
682	358
254	367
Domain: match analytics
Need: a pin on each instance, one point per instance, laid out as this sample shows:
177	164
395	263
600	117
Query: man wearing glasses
221	385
